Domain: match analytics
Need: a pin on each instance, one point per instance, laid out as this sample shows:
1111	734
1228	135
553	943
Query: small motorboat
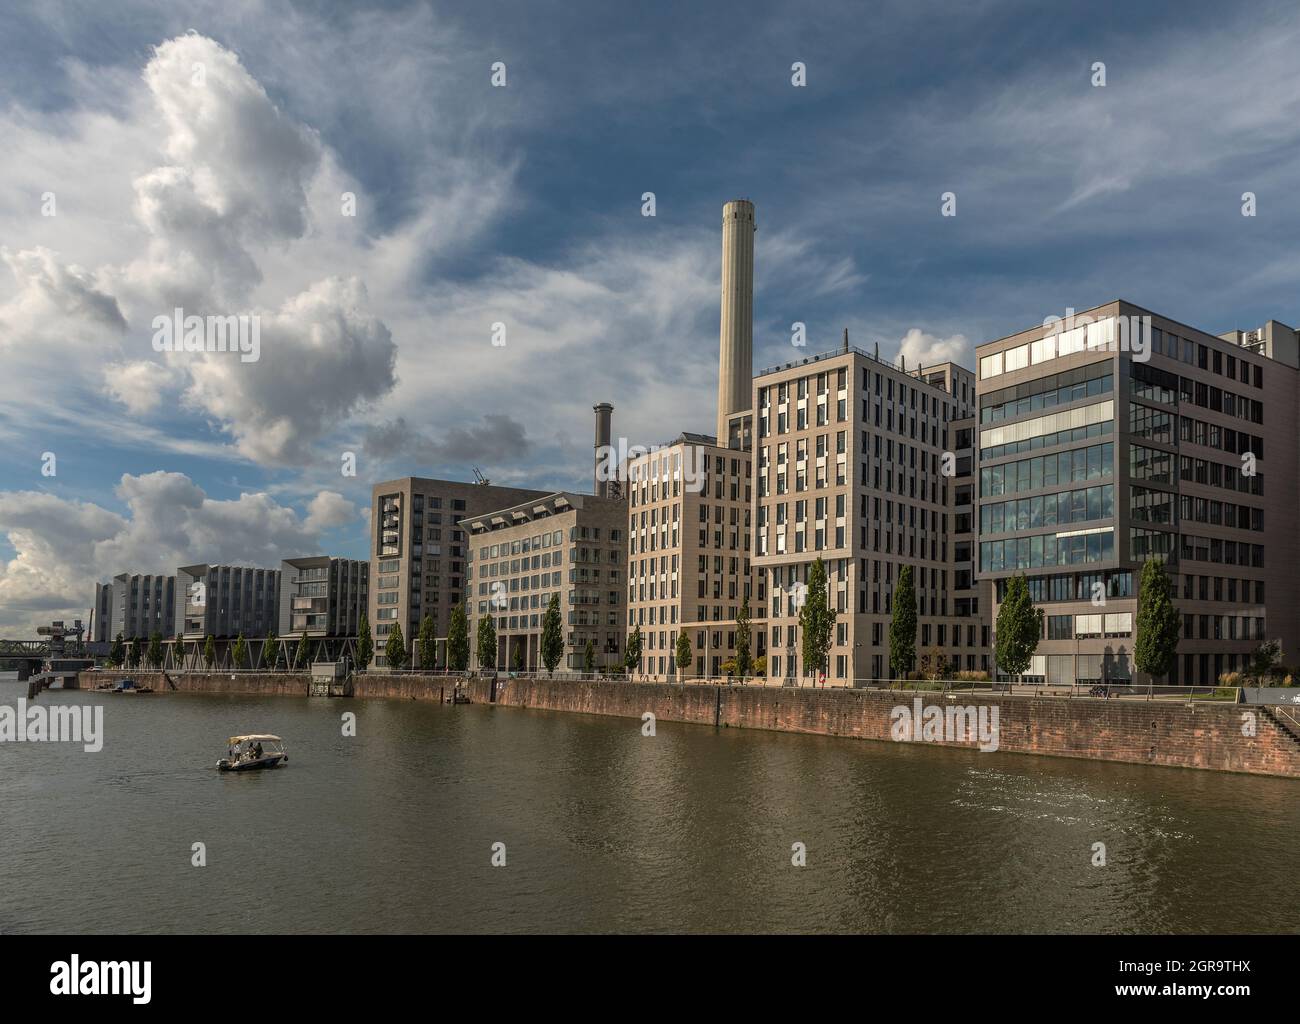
253	753
129	686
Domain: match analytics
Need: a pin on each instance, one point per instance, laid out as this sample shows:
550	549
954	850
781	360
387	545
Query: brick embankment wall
403	687
253	684
1175	734
668	703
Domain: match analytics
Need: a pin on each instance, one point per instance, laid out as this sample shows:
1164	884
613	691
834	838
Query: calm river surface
609	831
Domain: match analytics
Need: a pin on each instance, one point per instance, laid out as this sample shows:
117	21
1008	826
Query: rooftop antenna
846	339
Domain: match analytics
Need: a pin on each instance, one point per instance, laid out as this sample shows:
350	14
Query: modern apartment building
562	543
418	551
135	605
224	601
323	596
856	465
1118	436
689	566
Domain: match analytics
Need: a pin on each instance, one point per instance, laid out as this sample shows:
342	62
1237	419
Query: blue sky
522	205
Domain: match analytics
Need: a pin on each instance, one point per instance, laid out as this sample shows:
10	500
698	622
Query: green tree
117	653
240	652
816	620
743	663
487	644
1155	645
1019	627
632	659
458	640
395	649
302	653
684	653
155	656
210	651
1263	659
760	665
365	643
428	644
517	658
589	657
552	635
268	651
133	653
902	626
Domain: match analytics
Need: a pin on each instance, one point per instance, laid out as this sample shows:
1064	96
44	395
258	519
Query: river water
606	830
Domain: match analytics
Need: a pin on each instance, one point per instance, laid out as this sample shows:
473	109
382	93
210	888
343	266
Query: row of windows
1206	358
1151	424
1103	624
1231	478
457	504
1150	506
1096	336
1153	384
1192	392
1218	513
1082	505
1223	627
1126	332
1069	436
1198	588
1047	392
1211	435
1088	586
1220	552
1092	463
1047	550
1144	545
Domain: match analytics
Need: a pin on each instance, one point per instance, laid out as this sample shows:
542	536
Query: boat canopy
254	739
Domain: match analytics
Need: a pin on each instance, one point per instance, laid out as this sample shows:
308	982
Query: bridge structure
189	654
53	643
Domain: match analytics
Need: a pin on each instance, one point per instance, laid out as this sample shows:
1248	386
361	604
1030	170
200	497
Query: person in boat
257	751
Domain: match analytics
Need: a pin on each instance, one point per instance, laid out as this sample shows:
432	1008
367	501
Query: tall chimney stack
604	419
736	338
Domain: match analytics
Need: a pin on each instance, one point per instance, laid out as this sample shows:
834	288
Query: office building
689	568
418	552
564	544
855	464
1118	436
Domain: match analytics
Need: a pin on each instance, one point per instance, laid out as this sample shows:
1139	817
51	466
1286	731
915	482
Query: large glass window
1151	424
1151	464
1048	470
1047	392
1074	548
